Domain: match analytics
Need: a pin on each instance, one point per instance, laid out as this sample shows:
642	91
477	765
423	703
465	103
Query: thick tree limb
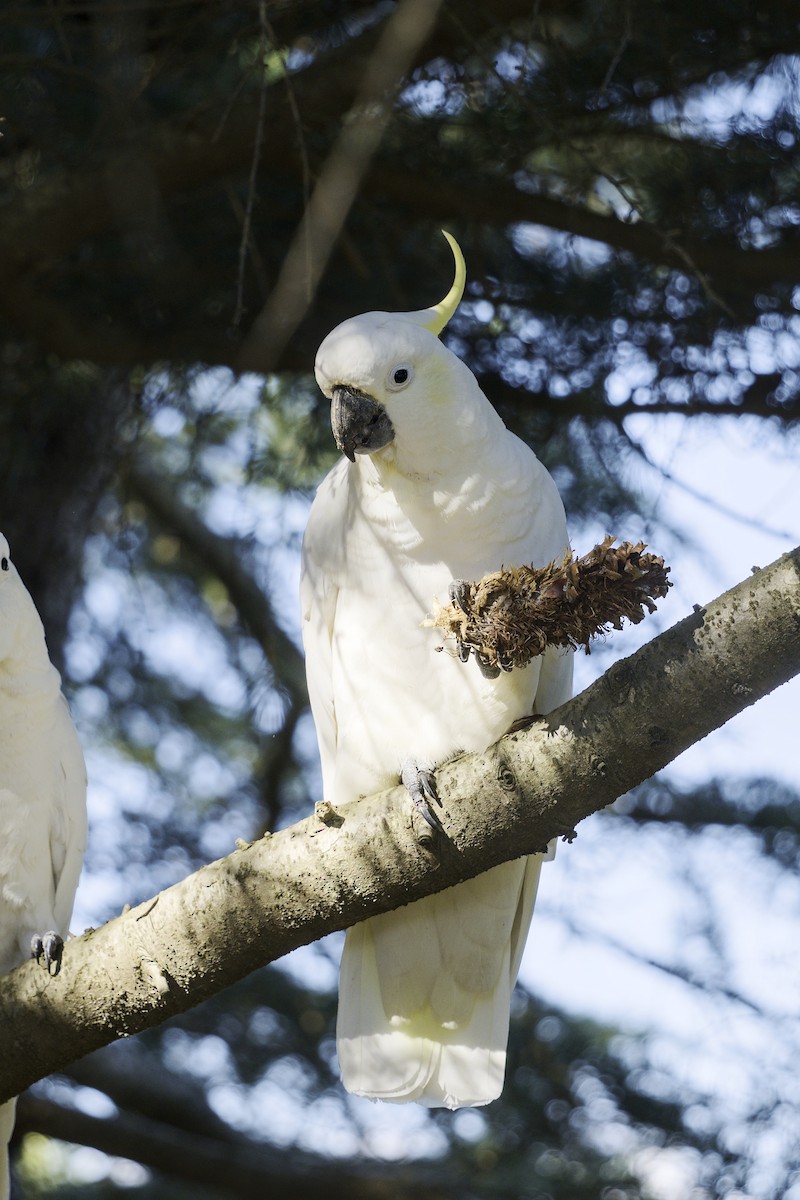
330	871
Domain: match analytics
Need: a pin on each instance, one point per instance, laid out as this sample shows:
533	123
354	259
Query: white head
396	392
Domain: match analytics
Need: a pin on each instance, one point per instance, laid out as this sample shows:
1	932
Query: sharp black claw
458	591
47	949
525	722
428	784
427	814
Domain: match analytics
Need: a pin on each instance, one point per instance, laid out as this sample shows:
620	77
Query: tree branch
363	128
235	1165
755	401
226	559
500	201
330	871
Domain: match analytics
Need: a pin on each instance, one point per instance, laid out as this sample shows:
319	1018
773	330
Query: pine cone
513	615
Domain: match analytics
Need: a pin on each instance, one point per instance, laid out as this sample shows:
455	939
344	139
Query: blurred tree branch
226	558
228	561
363	127
233	1164
332	870
758	400
136	1079
732	266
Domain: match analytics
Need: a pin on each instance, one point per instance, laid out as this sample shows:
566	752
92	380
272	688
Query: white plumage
438	489
42	798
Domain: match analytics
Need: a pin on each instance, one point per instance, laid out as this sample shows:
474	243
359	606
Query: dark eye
4	563
399	377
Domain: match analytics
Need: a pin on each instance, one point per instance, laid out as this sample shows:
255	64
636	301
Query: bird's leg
47	949
420	784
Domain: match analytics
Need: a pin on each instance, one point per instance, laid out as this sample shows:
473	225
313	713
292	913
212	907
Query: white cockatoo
42	800
432	489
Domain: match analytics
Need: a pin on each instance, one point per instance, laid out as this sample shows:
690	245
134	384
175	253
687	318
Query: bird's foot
460	593
420	784
47	949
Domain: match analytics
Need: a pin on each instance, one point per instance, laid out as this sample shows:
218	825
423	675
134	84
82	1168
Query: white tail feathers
424	993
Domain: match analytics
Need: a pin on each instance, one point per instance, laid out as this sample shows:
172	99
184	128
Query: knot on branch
511	616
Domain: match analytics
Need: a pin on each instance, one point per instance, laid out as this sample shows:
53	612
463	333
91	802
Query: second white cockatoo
432	489
42	800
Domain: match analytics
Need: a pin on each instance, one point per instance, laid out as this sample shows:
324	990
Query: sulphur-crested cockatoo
42	800
432	488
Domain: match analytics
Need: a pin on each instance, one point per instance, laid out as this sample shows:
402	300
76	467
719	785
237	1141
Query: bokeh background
194	193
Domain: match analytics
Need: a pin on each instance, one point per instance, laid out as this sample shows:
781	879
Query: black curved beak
360	424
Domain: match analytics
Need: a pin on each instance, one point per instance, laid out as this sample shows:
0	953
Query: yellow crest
436	317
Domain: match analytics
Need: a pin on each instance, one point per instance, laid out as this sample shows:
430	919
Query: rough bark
332	870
